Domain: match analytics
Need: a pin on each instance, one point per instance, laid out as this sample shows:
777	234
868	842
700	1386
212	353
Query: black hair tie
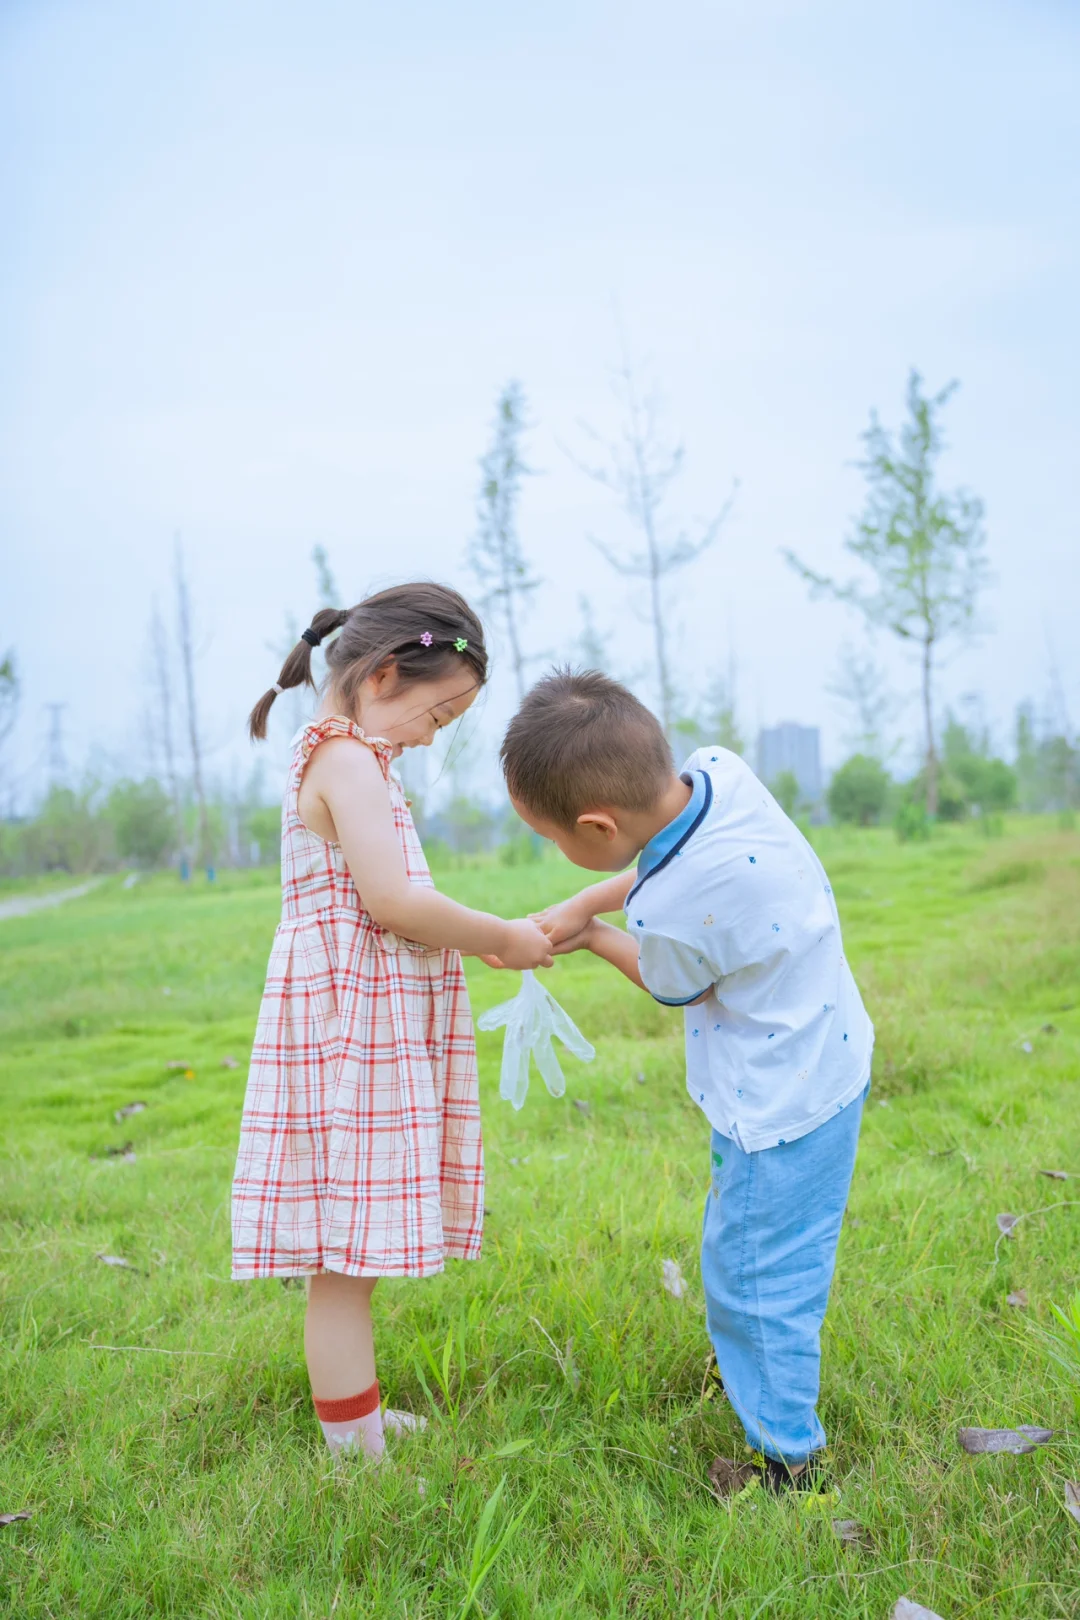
312	637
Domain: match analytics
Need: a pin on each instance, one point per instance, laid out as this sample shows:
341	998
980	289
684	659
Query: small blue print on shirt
694	1032
772	1037
845	1035
752	859
639	923
776	928
702	1097
738	1091
828	890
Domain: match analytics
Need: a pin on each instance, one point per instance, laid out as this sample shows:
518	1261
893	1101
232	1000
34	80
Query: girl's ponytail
296	670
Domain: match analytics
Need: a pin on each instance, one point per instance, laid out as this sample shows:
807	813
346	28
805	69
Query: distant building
791	748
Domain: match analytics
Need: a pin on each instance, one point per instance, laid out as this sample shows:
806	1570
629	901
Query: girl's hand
524	946
566	920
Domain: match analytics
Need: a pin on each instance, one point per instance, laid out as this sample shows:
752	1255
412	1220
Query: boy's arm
612	945
571	917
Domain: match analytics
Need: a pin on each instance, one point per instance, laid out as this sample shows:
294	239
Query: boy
729	915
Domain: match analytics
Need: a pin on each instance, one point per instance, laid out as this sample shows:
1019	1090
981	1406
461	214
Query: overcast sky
266	266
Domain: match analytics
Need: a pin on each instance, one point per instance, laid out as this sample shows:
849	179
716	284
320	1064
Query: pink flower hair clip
427	639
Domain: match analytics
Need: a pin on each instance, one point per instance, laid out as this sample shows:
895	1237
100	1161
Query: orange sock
353	1424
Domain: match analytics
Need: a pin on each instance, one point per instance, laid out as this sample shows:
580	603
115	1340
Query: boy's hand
582	941
566	920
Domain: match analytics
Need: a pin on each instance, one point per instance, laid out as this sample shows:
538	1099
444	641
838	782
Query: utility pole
57	757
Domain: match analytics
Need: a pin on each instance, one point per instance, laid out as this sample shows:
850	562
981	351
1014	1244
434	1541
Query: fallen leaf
115	1260
1072	1499
673	1279
988	1442
229	1063
582	1106
906	1608
13	1518
1018	1298
1006	1223
1055	1175
171	1068
728	1478
129	1109
851	1532
1049	1029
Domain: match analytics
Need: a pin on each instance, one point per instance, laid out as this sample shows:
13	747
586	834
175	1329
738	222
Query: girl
360	1153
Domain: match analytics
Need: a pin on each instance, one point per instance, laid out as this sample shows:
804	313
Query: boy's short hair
581	741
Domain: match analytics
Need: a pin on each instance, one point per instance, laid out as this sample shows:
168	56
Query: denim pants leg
772	1224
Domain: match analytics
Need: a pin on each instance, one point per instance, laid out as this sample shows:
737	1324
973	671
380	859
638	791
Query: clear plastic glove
531	1020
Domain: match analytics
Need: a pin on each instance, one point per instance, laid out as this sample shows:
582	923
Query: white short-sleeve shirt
731	900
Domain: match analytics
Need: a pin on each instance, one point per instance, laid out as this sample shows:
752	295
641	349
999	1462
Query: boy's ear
598	823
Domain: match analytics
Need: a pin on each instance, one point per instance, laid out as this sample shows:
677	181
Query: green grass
180	1472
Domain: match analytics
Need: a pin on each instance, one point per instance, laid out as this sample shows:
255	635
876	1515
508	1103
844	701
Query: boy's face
596	841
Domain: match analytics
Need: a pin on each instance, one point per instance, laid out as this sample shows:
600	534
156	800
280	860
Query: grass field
157	1421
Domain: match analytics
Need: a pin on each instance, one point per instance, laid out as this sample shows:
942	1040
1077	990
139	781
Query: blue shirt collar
669	839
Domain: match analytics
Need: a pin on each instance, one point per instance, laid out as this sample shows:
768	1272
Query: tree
495	553
10	694
785	790
162	712
143	822
185	629
715	721
860	685
923	548
859	790
639	468
329	595
592	644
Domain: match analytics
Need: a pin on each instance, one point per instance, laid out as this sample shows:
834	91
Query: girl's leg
341	1361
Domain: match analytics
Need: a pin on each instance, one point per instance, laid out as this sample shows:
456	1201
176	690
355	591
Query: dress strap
338	725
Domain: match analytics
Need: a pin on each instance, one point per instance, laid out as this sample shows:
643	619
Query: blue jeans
772	1223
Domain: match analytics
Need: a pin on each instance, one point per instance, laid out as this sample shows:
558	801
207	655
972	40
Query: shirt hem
754	1142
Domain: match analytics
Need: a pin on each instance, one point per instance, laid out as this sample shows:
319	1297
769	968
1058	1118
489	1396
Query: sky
266	268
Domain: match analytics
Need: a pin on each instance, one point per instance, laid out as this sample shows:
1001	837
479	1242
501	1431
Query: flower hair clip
427	639
460	644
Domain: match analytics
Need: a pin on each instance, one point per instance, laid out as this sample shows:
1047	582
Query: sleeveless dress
360	1147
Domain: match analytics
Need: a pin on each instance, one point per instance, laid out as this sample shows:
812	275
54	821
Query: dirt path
22	904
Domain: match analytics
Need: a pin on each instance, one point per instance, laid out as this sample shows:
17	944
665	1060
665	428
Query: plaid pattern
360	1146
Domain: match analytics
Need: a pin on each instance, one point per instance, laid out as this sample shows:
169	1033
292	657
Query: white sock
353	1424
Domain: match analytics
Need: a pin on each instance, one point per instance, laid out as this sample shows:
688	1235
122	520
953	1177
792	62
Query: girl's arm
570	917
346	777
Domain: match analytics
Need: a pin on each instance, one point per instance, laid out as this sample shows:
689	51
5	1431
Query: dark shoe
777	1477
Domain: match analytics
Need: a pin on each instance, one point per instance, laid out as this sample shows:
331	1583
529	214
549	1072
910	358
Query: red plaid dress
360	1146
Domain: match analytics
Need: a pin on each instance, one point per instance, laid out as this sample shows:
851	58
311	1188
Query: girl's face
409	716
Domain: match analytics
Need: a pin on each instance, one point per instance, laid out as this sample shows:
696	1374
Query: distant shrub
911	822
143	822
859	791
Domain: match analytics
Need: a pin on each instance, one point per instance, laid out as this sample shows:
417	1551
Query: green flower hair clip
460	644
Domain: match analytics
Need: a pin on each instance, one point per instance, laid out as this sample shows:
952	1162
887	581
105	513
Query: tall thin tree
639	468
164	710
186	642
923	547
495	554
10	695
